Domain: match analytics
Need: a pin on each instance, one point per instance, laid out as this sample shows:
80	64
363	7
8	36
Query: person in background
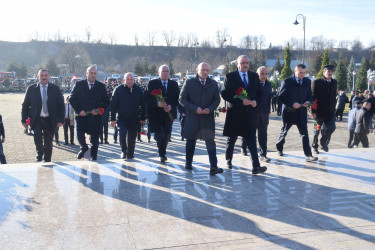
352	122
182	112
69	122
2	140
362	119
341	100
104	127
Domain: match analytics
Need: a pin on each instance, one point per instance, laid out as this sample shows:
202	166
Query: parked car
18	85
143	80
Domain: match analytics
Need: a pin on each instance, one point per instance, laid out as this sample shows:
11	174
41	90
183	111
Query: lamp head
296	22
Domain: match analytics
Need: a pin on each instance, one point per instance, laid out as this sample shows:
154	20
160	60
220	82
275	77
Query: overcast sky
21	20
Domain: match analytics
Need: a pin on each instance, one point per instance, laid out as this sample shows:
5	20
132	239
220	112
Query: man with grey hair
44	104
264	113
200	119
86	98
241	118
128	103
159	113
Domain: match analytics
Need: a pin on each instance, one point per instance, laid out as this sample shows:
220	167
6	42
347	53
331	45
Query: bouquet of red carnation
98	110
28	122
159	97
241	94
314	105
317	127
222	110
143	131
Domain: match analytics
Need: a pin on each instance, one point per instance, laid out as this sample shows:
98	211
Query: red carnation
223	110
317	127
158	92
101	111
239	91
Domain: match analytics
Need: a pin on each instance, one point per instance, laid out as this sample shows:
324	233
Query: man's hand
246	102
162	104
3	140
59	124
24	125
93	112
253	103
306	104
183	114
113	124
168	108
313	115
206	111
142	122
296	105
199	110
82	113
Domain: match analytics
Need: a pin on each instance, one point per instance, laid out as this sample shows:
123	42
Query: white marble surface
142	204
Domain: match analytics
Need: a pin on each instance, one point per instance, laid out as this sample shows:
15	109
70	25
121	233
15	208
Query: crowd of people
249	97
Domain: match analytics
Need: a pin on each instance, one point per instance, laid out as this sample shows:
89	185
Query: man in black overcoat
160	114
241	118
86	98
295	95
128	103
324	92
44	104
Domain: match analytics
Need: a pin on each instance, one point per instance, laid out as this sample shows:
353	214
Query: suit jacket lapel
239	79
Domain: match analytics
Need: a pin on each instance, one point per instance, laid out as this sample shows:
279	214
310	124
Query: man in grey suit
200	97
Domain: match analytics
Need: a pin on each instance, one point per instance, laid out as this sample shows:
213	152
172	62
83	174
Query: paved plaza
144	204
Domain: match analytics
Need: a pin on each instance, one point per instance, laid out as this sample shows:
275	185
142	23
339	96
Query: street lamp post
304	33
353	80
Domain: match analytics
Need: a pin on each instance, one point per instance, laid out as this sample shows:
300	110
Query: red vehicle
6	78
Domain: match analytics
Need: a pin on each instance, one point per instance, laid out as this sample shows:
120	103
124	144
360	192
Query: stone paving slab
144	204
19	147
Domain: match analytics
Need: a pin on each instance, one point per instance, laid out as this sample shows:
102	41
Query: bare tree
356	44
221	37
88	33
180	40
112	38
136	40
76	56
246	42
151	38
169	37
343	44
317	43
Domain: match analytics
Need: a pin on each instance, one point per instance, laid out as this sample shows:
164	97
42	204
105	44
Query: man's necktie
202	83
299	81
165	87
44	101
91	85
245	80
67	110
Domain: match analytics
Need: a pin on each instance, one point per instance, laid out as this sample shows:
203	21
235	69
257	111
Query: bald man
128	104
200	120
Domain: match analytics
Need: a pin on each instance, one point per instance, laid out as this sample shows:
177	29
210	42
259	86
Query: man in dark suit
69	122
362	125
86	97
160	113
200	119
295	95
241	118
44	104
128	103
264	113
324	92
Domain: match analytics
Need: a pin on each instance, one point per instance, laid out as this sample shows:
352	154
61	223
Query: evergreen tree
145	69
277	66
361	81
170	65
372	62
138	68
12	67
349	76
333	63
286	71
325	62
22	70
153	70
316	64
341	74
52	67
226	69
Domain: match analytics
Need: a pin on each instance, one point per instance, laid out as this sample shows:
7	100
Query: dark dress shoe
259	170
325	148
123	155
264	158
244	152
81	153
280	153
163	158
66	143
188	166
311	158
47	160
72	143
57	143
93	158
39	157
130	157
316	151
115	142
216	170
106	142
229	164
101	142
